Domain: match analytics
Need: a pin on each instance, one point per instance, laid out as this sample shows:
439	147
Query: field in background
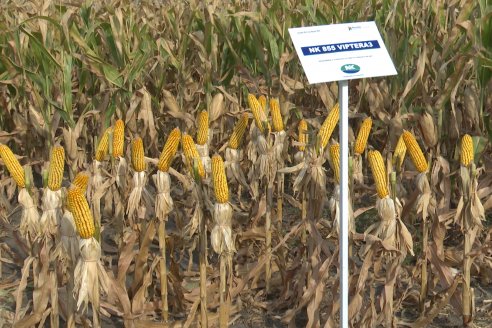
70	70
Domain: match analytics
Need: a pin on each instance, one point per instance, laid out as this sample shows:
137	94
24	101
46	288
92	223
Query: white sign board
342	52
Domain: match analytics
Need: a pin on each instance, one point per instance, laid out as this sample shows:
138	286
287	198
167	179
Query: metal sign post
344	202
342	52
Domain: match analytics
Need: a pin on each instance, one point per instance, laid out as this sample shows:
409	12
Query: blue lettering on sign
340	47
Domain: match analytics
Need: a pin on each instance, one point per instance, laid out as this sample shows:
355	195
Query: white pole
344	202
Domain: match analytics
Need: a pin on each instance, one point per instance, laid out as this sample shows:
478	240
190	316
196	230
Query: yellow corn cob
220	180
415	152
118	138
303	137
202	134
169	150
259	114
378	172
335	161
361	141
102	148
81	213
57	165
466	155
278	124
138	160
263	101
81	180
192	156
13	165
238	132
328	126
400	151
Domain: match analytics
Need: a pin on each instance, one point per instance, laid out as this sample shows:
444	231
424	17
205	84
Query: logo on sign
350	68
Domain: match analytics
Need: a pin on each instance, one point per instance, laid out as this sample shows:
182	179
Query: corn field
167	164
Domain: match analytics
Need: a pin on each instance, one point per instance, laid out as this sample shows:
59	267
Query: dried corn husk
121	170
232	165
428	129
334	204
90	277
471	105
390	228
29	225
216	107
163	200
280	147
136	193
52	202
221	238
426	204
97	178
470	212
264	163
69	237
312	177
358	175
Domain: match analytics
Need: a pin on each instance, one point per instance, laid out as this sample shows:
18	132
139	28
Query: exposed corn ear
81	180
399	154
57	165
220	181
259	114
118	138
192	156
303	137
12	165
103	147
202	134
238	132
263	102
335	161
138	160
328	126
362	136
379	173
278	124
415	152
169	150
81	213
466	155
